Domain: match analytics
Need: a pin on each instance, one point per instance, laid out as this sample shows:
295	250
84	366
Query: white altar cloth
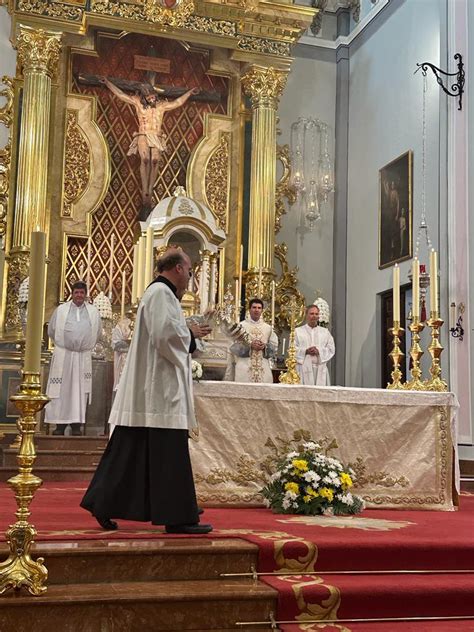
400	443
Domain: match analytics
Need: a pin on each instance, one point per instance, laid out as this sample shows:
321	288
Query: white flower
311	445
286	503
275	477
311	477
328	480
324	311
332	474
347	499
295	505
266	502
291	455
196	370
291	495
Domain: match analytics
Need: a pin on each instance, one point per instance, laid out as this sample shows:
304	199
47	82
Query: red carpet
375	540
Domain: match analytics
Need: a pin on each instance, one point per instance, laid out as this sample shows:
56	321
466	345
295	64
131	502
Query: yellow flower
325	492
307	499
346	480
292	487
300	464
310	491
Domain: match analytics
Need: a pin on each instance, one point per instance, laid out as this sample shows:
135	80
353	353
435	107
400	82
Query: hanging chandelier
312	170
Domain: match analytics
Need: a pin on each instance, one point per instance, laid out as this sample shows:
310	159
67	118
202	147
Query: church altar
400	443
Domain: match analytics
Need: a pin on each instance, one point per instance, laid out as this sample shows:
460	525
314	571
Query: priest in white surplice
314	348
74	327
251	363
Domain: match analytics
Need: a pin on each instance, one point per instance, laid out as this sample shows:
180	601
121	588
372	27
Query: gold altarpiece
65	168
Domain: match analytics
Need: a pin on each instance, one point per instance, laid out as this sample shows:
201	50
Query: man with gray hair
145	473
314	348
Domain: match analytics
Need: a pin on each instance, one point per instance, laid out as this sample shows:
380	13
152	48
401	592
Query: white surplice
75	331
249	365
120	344
156	389
313	369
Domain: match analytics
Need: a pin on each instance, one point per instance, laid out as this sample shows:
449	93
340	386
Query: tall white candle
283	347
141	268
237	301
241	267
416	288
149	257
111	270
396	293
122	302
135	274
89	262
34	323
452	315
273	304
434	281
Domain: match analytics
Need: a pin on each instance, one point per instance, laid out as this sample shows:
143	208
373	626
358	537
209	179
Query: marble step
51	473
96	561
57	457
50	442
138	606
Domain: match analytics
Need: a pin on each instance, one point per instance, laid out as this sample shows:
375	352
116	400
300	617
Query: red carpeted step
375	596
427	625
57	458
53	473
52	442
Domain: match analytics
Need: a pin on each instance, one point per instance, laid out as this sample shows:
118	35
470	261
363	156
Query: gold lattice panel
184	127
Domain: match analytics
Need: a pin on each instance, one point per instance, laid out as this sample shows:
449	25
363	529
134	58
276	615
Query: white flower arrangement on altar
310	482
324	312
196	370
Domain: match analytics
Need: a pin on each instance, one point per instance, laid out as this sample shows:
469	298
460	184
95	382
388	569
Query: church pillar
38	56
204	285
264	86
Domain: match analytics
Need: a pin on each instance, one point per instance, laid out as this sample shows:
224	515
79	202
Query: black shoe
107	523
59	430
190	529
200	510
76	430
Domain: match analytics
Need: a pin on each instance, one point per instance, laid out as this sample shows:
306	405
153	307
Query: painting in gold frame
396	210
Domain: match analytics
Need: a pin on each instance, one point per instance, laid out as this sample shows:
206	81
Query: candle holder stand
396	354
436	383
291	375
416	352
19	570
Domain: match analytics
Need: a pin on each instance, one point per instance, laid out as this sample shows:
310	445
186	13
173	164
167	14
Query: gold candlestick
416	383
396	354
19	569
436	383
291	375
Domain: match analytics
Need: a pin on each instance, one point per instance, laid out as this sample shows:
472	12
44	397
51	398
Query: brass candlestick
436	383
416	383
396	354
291	375
19	569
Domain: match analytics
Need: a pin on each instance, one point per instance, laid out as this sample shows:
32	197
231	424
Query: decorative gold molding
77	163
38	50
286	290
17	272
217	181
262	45
283	187
57	10
6	117
264	85
153	11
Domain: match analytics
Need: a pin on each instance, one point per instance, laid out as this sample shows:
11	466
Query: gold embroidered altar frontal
400	443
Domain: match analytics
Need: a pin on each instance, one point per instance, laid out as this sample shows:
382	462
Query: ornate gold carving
150	10
38	50
264	86
291	375
262	45
77	163
286	290
245	471
210	25
283	187
19	569
217	181
6	117
51	9
17	272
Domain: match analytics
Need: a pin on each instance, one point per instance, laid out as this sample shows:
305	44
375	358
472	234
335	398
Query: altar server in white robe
121	336
314	348
251	363
145	472
75	327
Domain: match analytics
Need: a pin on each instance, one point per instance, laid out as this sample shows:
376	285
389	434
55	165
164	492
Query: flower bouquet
196	370
310	482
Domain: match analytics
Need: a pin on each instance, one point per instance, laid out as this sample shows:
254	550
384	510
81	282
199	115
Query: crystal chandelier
312	171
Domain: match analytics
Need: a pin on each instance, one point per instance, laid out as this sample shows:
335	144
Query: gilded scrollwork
217	181
38	50
17	272
51	9
263	45
244	471
286	290
381	478
153	11
77	163
264	85
211	25
6	117
283	187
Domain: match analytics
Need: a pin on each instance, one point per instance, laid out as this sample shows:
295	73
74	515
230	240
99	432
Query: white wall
385	120
310	92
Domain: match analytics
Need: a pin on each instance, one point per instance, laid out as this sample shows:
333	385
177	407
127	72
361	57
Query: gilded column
264	86
38	56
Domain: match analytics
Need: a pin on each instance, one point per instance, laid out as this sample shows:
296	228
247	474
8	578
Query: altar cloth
400	443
